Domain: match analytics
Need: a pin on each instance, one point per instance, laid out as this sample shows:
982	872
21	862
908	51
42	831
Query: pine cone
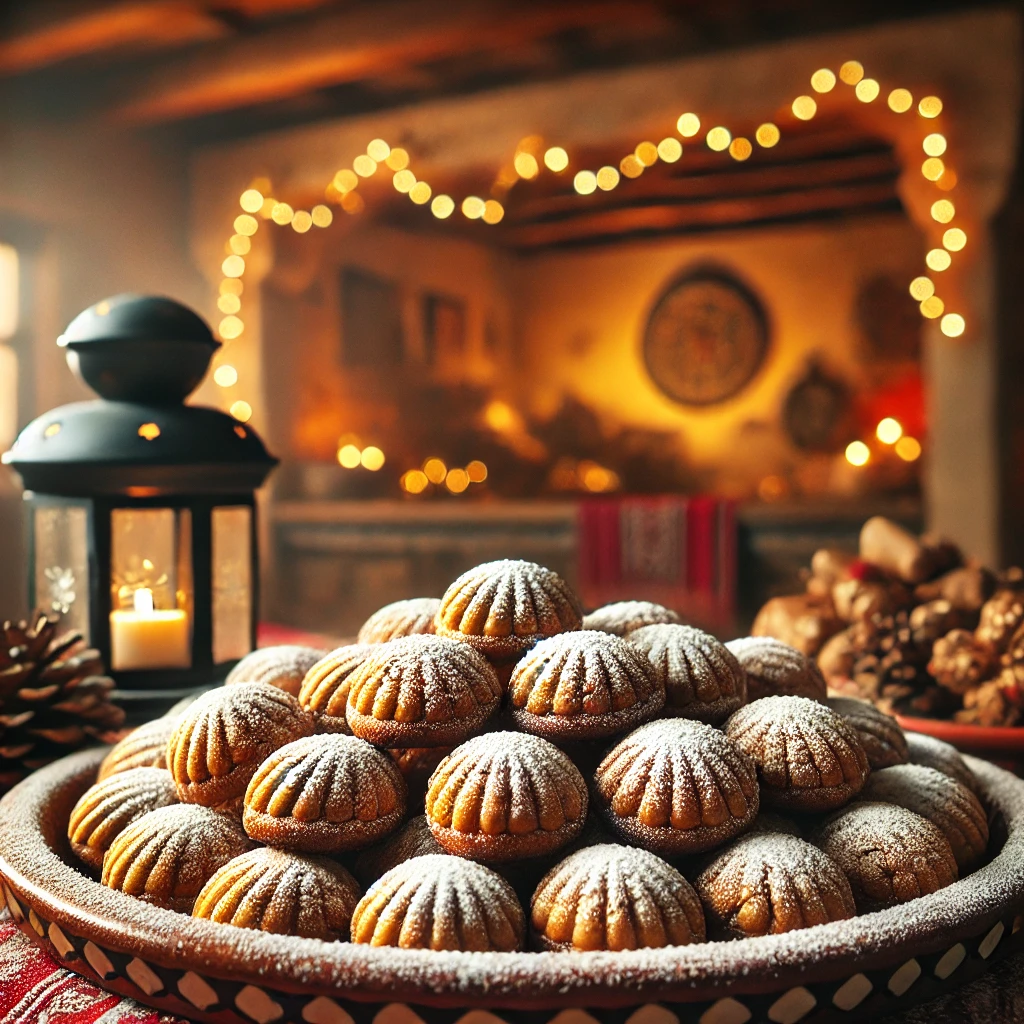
53	696
1001	615
996	702
960	661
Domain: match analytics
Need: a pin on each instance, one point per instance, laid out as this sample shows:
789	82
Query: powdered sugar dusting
324	691
774	668
400	618
941	756
145	747
284	666
622	617
879	733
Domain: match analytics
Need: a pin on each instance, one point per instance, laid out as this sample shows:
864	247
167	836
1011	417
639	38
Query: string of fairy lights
533	158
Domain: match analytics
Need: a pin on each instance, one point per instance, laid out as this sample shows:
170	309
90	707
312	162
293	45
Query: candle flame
143	599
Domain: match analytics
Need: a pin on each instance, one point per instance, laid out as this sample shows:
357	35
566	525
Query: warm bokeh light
345	180
240	244
823	80
456	481
900	101
646	153
225	376
943	211
414	481
889	430
740	149
767	135
149	431
397	159
349	456
597	478
233	266
229	303
934	144
948	180
804	107
476	471
954	239
631	167
231	286
932	168
930	106
688	125
585	182
938	260
282	214
420	193
302	221
246	224
322	216
352	202
908	448
403	181
851	72
933	307
443	206
556	159
857	453
500	416
251	201
493	212
922	288
607	178
230	328
526	165
670	150
364	165
267	209
473	207
378	150
952	325
718	139
867	90
435	470
242	411
372	458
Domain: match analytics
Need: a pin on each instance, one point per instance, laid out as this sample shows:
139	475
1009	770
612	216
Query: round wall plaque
706	338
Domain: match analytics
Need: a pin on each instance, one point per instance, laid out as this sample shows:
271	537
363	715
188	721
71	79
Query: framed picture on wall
371	320
444	329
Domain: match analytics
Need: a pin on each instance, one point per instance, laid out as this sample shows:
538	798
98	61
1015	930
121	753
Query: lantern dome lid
142	318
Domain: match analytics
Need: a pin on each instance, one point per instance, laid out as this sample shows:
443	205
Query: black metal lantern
142	529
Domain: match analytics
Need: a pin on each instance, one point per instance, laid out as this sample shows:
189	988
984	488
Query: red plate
1003	744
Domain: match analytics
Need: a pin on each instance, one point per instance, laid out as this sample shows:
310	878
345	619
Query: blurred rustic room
663	295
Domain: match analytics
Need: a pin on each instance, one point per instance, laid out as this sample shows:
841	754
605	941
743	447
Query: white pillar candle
147	638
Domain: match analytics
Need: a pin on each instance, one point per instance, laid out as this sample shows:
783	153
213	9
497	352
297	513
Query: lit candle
147	638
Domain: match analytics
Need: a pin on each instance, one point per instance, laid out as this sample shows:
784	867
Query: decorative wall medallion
817	410
706	338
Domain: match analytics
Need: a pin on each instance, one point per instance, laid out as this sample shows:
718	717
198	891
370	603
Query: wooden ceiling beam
365	42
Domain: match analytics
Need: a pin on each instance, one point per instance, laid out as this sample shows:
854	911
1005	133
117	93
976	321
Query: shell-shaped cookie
767	883
144	747
623	617
400	618
107	808
421	691
808	757
284	667
677	786
583	685
324	691
413	839
505	795
441	903
503	608
613	898
889	855
324	794
168	855
880	734
776	669
945	802
284	893
702	678
941	756
220	741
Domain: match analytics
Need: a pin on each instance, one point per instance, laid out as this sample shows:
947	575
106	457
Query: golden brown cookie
324	794
107	808
623	617
776	669
503	608
421	691
614	898
583	685
400	618
702	678
284	667
144	747
880	734
284	893
324	691
767	883
168	855
220	741
808	757
945	802
441	903
941	756
504	796
889	854
677	786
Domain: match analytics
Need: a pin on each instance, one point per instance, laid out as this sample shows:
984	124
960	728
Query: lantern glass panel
61	539
232	582
150	594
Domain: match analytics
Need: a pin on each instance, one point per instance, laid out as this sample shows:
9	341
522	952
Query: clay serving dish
858	969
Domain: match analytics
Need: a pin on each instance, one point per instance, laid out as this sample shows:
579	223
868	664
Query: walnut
992	703
959	661
934	619
1001	615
